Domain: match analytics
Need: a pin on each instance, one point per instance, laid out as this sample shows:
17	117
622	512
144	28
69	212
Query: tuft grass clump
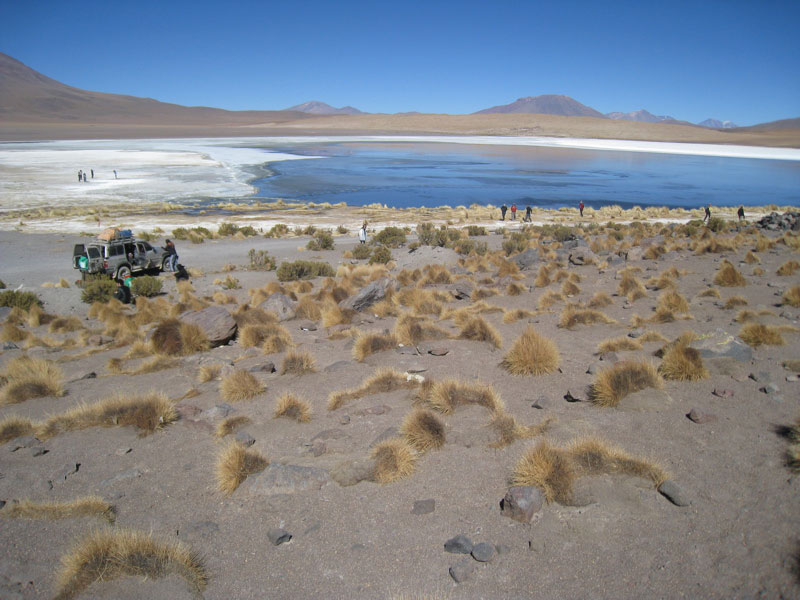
383	381
106	554
509	430
147	286
411	330
208	373
235	463
788	268
172	337
394	459
792	296
613	384
99	290
230	424
532	354
240	385
758	334
371	343
599	300
728	276
512	316
148	413
681	362
21	300
423	430
298	363
618	344
478	329
292	407
672	301
573	315
88	506
13	427
303	269
29	378
65	325
735	301
709	293
446	395
652	336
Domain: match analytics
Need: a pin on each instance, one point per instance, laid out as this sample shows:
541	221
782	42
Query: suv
118	257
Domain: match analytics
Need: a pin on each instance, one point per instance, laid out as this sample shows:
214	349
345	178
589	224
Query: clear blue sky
735	60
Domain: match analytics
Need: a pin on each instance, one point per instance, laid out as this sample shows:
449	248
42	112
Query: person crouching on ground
123	292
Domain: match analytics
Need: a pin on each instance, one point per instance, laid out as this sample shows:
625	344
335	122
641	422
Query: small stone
349	473
792	378
381	409
187	411
723	393
700	417
760	377
123	451
573	396
461	571
307	325
25	441
438	351
220	411
609	357
670	490
522	502
636	333
10	346
770	388
593	369
483	552
278	536
407	350
540	403
344	419
460	544
39	451
65	471
423	507
244	438
318	448
267	367
416	369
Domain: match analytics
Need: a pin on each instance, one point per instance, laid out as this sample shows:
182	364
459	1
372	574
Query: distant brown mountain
29	96
316	107
547	104
781	125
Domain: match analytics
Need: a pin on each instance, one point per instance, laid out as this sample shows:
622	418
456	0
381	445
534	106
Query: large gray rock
582	256
721	344
281	305
286	479
461	290
214	321
367	296
526	260
352	472
522	502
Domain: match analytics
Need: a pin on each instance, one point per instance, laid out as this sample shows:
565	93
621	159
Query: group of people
123	291
504	209
82	175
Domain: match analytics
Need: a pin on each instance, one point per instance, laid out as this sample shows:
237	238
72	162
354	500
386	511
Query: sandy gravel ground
618	538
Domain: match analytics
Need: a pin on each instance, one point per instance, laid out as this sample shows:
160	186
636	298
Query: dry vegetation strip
89	506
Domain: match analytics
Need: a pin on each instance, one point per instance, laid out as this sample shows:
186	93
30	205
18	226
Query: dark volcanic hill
29	96
548	104
320	108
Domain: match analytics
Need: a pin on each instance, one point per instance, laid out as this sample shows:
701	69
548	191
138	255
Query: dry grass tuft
618	343
682	363
630	286
88	506
423	430
240	385
515	289
672	301
147	413
298	363
292	407
792	296
599	300
445	396
592	456
757	334
65	325
549	299
31	378
478	329
436	274
231	424
12	333
235	463
613	384
652	336
110	553
208	373
709	293
383	381
411	330
573	315
370	343
172	337
532	354
788	268
394	459
745	315
308	308
273	335
728	276
13	427
568	288
735	301
509	430
512	316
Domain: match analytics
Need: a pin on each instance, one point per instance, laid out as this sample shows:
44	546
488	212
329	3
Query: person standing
172	253
740	212
92	170
527	214
84	178
707	217
513	212
80	175
362	233
580	207
115	173
503	210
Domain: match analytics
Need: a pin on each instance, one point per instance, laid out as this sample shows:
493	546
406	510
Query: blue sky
692	60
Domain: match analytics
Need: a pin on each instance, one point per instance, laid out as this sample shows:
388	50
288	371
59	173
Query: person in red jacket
580	207
513	212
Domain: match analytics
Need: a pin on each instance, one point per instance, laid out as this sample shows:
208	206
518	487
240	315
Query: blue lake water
410	174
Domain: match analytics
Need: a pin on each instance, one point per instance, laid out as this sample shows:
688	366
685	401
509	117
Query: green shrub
247	231
181	233
716	224
231	283
23	300
361	251
2	285
474	230
98	290
303	269
322	240
309	230
147	286
430	236
393	237
196	238
342	230
380	255
517	242
277	230
563	233
470	246
226	229
260	260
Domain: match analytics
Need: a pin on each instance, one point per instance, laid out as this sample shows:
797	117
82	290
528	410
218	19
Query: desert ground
630	380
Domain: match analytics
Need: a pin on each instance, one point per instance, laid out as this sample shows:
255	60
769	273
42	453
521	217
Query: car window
94	252
147	246
116	250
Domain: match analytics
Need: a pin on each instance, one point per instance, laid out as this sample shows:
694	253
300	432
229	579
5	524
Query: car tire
165	264
123	272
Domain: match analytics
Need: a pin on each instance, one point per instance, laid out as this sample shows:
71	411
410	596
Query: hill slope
548	104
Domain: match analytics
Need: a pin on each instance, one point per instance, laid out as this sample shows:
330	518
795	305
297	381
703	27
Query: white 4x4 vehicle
120	257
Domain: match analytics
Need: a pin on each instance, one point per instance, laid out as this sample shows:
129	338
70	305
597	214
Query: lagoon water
400	174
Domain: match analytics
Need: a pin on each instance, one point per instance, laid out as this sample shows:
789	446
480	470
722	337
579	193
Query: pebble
573	396
278	536
540	403
700	417
267	367
760	377
723	393
344	419
123	451
770	388
244	438
461	571
460	544
438	351
522	502
593	369
636	333
423	507
39	451
670	490
483	552
792	378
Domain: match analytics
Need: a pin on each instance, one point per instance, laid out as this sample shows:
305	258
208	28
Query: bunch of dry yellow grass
681	362
574	315
394	459
298	363
672	301
479	330
423	430
728	276
13	427
28	378
230	424
65	325
549	299
630	286
88	506
735	301
235	463
788	268
411	330
106	554
509	430
240	385
792	296
208	373
446	395
370	343
613	384
709	293
511	316
172	337
618	344
290	406
308	308
532	354
758	334
599	300
384	380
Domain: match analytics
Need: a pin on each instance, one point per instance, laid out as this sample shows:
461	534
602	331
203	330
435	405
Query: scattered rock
649	399
407	350
351	472
670	490
461	290
188	411
244	438
278	536
318	448
89	375
123	451
522	502
367	296
123	476
279	304
460	544
60	475
413	369
721	344
700	417
286	479
307	326
215	322
483	552
594	368
792	378
573	395
218	411
770	388
438	351
344	419
581	257
609	357
267	367
461	571
39	451
10	345
722	393
423	507
540	403
760	377
25	441
636	333
525	260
